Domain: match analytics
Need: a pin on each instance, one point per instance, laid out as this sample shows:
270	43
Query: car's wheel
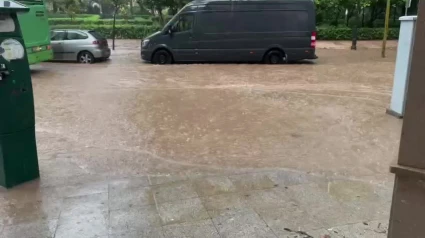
86	57
162	57
274	57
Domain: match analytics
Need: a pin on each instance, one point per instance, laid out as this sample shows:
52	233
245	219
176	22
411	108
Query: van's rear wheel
162	57
274	57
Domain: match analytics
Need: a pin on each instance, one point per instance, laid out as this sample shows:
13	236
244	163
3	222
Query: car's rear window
97	35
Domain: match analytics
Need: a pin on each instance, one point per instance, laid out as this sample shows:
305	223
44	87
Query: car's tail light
49	47
313	39
96	42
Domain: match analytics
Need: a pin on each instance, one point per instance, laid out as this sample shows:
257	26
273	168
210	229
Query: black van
272	31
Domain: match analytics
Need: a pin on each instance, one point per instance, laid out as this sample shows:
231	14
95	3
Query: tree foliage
365	13
344	12
70	7
157	7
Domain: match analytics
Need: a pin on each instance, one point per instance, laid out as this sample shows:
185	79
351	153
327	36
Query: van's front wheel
162	57
274	57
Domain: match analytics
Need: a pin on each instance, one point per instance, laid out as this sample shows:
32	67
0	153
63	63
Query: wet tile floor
128	149
257	204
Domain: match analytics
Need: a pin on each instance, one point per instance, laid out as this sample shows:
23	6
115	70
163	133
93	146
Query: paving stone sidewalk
254	204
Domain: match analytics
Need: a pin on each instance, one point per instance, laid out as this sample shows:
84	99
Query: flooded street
326	117
130	149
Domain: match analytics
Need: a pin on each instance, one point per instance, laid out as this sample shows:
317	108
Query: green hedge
76	19
82	21
345	33
166	18
79	16
110	16
127	31
122	31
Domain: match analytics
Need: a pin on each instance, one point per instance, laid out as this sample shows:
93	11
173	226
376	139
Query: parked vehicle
83	46
272	31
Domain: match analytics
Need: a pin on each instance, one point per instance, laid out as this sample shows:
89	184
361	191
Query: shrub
139	21
146	16
121	31
381	23
76	19
83	21
345	33
140	31
79	16
166	18
92	18
111	16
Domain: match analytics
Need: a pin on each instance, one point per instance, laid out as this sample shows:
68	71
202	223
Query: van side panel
244	31
237	30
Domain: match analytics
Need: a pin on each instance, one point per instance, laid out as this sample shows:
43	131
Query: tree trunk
335	23
141	6
372	16
394	14
349	15
173	10
131	8
356	23
113	28
363	17
161	17
354	40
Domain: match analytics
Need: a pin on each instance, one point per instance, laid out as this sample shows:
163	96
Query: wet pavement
129	149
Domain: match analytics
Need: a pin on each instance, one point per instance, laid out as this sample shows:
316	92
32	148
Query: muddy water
326	117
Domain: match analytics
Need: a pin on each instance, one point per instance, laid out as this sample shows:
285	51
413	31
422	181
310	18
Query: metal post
408	3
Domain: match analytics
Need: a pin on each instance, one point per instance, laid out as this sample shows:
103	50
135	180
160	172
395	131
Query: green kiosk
18	151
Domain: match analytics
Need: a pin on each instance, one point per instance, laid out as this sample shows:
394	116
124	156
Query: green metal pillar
18	151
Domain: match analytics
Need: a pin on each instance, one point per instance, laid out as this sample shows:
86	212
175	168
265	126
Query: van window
254	21
185	23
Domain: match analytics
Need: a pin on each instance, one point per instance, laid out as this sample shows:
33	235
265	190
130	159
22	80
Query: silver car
84	46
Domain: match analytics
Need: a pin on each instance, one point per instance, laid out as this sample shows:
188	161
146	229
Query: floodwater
326	116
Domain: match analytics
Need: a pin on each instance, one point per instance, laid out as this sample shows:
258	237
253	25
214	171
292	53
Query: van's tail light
49	47
313	39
